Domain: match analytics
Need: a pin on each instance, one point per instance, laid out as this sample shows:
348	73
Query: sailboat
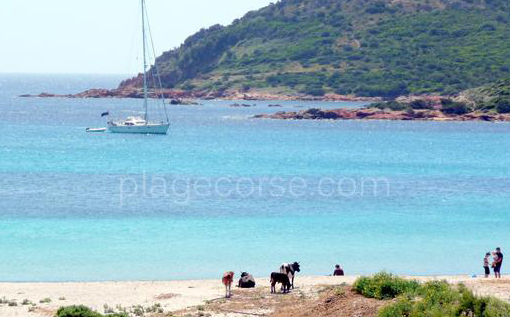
138	124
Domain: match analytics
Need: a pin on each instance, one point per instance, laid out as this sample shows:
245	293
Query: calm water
223	191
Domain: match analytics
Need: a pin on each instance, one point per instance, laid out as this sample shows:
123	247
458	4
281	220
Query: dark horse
281	278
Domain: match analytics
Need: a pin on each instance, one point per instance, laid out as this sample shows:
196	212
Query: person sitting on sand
486	264
338	271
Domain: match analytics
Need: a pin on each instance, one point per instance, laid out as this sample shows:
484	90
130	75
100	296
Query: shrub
138	310
77	311
451	107
384	286
384	90
188	87
438	298
402	307
246	87
156	308
314	91
420	104
45	300
83	311
502	105
488	27
495	308
392	105
376	7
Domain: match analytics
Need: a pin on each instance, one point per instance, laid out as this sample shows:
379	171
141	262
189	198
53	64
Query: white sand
175	295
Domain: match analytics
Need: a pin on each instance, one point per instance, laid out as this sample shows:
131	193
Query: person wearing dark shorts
486	264
499	262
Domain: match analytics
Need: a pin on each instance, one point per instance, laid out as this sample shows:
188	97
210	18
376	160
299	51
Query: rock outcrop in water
243	105
379	114
175	94
118	93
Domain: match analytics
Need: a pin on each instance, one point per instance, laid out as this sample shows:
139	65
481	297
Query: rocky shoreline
436	111
378	114
187	95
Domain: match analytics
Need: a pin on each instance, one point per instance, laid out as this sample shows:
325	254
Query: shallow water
223	191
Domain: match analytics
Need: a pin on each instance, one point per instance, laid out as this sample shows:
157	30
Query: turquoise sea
223	191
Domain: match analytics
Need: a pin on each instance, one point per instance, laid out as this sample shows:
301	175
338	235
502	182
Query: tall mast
144	64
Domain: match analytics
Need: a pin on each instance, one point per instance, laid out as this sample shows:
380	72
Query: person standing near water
486	264
498	261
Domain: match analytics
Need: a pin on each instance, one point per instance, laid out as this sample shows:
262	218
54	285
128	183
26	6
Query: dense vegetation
441	299
436	298
363	47
494	97
448	106
83	311
384	286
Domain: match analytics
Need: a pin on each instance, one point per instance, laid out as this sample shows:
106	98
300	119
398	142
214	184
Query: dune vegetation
436	298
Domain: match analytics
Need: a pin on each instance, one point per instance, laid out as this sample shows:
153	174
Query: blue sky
100	36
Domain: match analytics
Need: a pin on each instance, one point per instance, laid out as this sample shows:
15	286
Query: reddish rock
368	112
344	114
378	114
94	93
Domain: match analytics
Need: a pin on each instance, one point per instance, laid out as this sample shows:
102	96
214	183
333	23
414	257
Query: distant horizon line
67	74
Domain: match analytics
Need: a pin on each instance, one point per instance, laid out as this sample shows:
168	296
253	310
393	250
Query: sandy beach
178	296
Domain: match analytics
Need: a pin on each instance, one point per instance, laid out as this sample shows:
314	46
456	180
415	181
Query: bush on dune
402	307
440	299
83	311
432	299
77	311
384	286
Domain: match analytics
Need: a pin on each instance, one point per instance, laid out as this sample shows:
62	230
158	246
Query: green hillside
363	47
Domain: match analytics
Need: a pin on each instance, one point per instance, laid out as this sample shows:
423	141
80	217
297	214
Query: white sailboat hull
136	124
140	129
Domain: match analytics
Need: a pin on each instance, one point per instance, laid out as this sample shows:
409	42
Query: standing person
494	262
486	264
338	271
498	261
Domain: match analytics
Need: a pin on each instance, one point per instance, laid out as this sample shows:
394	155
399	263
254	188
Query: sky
100	36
